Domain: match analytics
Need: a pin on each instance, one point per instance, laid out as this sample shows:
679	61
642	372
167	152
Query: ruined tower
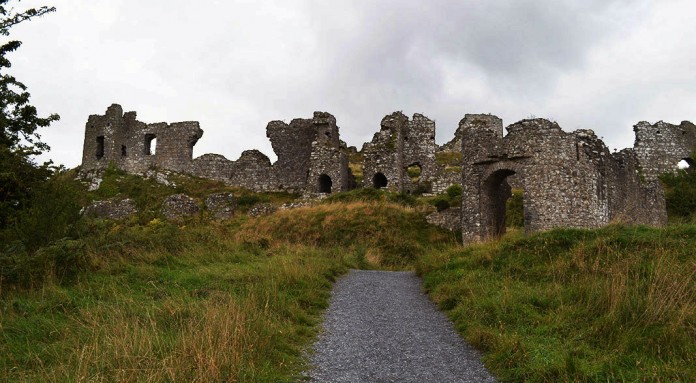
120	139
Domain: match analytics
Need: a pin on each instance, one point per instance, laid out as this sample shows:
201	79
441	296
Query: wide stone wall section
303	147
399	145
134	146
569	180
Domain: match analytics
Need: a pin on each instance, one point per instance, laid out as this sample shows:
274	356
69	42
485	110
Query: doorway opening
324	184
379	181
502	206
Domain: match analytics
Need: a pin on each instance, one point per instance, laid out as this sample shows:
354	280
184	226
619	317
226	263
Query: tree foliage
20	176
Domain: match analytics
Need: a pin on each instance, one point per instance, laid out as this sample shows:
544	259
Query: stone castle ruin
311	157
568	179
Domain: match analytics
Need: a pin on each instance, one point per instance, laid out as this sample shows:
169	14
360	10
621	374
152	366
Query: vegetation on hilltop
146	299
680	191
613	304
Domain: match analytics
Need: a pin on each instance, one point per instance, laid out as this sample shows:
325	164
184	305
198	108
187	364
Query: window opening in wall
328	135
686	164
324	184
100	147
414	172
514	210
379	181
150	144
124	151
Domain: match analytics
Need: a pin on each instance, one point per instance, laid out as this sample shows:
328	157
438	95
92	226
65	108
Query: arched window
150	144
324	184
379	181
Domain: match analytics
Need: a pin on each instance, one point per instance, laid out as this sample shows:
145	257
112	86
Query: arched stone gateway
569	180
495	194
379	181
324	184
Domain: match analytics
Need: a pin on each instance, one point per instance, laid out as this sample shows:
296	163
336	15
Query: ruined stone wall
419	149
402	143
292	143
660	147
327	161
175	144
253	171
304	146
103	136
135	146
569	180
383	155
211	166
633	199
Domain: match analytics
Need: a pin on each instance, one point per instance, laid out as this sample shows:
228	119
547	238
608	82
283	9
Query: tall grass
395	235
615	304
169	303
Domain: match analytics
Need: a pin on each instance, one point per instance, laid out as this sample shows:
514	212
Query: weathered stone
661	146
179	206
449	219
262	209
221	205
134	146
399	145
111	209
310	153
298	204
569	180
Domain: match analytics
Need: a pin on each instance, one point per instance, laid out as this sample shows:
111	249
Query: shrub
454	192
680	192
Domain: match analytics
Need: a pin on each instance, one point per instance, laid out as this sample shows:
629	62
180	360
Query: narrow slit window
150	144
100	147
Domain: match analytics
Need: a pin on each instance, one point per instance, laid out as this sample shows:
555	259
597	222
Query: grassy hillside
614	304
148	300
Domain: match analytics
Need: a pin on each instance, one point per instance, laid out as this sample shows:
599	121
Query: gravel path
380	327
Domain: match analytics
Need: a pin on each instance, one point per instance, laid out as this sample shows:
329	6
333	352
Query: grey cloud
235	65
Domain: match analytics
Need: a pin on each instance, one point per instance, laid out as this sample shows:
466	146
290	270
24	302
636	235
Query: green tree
19	122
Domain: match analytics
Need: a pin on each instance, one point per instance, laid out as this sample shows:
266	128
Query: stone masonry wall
303	147
400	144
660	147
569	180
135	146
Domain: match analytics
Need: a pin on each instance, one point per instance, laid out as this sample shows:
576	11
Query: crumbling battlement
311	157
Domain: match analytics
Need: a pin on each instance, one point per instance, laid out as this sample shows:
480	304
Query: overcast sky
235	65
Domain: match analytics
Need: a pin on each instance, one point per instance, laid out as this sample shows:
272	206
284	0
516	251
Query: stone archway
324	184
494	195
379	180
